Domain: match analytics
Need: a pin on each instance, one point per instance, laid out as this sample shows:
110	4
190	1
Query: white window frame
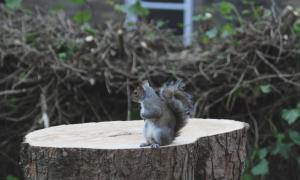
186	7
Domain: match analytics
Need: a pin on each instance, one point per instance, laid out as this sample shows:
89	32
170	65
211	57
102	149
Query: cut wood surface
206	149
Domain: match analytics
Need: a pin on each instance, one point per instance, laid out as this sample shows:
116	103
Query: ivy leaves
82	17
262	167
13	4
283	146
291	115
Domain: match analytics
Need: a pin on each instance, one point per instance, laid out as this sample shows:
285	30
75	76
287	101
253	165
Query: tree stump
206	149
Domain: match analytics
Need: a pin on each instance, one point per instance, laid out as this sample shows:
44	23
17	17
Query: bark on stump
206	149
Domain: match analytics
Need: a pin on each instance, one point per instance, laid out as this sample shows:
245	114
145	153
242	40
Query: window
174	11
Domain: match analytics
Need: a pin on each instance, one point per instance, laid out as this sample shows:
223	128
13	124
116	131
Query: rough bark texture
219	156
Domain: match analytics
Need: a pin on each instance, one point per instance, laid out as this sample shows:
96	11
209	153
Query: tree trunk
206	149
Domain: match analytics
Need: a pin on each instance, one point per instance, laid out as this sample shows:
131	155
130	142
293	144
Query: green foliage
283	147
296	27
262	153
227	30
10	177
202	17
247	177
211	30
90	30
57	8
291	115
212	33
265	88
13	4
225	8
65	50
294	136
135	9
23	76
82	17
77	1
261	168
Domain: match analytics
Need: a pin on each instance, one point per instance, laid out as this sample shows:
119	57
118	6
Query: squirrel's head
138	94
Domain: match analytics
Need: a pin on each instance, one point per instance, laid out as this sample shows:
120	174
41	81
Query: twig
11	92
280	75
128	100
44	107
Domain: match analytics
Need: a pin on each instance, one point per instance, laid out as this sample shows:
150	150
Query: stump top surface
122	134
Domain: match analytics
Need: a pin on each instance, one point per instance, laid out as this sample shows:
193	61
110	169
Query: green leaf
295	136
246	12
282	149
296	27
247	177
262	153
120	8
202	17
90	30
82	17
227	30
23	76
298	161
279	137
265	88
212	33
298	106
267	13
13	4
226	8
57	8
290	115
161	23
262	168
77	1
204	39
131	24
180	25
151	35
137	9
198	17
10	177
62	56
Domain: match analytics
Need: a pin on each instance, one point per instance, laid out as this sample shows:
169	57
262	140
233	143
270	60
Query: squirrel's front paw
155	146
144	144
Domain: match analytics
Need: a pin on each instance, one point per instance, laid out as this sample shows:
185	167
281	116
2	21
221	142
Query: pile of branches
55	72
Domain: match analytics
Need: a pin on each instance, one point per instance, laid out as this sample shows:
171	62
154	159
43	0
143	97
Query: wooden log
206	149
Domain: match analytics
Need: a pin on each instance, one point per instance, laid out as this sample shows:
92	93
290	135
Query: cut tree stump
206	149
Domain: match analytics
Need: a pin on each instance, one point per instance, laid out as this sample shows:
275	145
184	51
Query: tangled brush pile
54	72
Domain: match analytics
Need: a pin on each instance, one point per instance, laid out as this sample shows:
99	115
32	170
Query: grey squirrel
164	114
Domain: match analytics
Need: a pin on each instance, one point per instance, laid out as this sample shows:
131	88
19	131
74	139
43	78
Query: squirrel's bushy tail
178	101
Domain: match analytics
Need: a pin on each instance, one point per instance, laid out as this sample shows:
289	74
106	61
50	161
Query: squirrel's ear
145	83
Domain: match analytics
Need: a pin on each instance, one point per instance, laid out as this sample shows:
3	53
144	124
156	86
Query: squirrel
164	114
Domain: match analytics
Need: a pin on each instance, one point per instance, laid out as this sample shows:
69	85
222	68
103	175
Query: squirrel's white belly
155	134
150	131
